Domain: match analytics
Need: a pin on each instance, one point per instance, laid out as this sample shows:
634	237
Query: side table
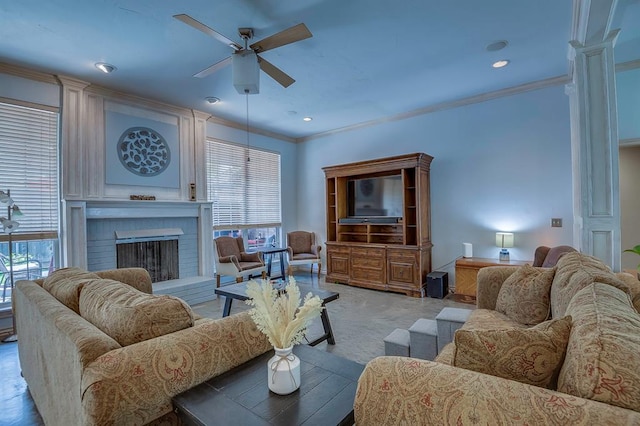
467	272
268	253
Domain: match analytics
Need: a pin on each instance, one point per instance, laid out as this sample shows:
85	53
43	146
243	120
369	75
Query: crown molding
28	73
138	101
527	87
255	130
628	66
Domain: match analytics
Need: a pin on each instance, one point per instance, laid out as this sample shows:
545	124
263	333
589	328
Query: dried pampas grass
279	315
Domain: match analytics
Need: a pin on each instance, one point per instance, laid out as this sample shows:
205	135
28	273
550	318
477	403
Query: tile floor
360	319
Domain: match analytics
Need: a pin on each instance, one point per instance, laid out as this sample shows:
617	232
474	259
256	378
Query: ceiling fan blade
290	35
275	73
213	68
205	29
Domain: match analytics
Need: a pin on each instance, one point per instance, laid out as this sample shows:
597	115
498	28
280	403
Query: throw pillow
533	355
66	284
524	296
128	315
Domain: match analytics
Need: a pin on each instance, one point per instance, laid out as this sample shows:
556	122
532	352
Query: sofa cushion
524	295
603	353
574	272
532	355
65	285
130	316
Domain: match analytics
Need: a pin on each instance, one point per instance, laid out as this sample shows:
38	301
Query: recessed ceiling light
497	45
105	68
501	63
212	99
307	119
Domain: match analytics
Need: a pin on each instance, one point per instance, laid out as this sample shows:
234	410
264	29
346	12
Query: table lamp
504	240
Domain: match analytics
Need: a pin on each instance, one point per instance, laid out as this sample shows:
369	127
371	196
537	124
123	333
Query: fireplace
159	258
96	228
155	250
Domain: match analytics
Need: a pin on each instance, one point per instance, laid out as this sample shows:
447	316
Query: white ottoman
449	320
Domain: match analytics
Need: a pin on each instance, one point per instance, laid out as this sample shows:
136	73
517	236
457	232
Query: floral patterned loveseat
99	349
546	346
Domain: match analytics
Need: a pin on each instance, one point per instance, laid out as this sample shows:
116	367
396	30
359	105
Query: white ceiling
367	59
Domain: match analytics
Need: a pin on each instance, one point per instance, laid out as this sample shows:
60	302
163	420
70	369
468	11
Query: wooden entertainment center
381	252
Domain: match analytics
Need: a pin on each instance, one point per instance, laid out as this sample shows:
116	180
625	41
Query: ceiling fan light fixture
105	68
501	63
246	72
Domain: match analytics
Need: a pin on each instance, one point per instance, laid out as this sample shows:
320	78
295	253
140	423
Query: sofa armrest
489	282
54	347
398	390
135	384
137	278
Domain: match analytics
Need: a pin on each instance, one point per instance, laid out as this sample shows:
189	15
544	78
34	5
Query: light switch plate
556	222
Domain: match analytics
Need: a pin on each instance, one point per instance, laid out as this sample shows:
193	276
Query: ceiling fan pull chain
246	95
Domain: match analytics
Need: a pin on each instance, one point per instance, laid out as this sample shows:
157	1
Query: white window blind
29	167
244	193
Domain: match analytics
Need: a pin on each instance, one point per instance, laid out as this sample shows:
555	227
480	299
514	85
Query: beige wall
630	203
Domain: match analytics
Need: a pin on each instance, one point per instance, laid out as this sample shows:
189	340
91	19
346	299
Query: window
244	186
29	172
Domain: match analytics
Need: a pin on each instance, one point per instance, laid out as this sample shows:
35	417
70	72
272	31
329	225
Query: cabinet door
466	278
402	269
338	264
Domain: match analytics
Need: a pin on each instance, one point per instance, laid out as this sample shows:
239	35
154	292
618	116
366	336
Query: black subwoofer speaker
437	284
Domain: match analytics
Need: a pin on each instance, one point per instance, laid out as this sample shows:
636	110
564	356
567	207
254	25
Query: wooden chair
231	259
303	250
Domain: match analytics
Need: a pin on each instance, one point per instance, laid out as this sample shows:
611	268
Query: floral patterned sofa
99	349
546	346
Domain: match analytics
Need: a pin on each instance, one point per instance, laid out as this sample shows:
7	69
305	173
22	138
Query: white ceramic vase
283	371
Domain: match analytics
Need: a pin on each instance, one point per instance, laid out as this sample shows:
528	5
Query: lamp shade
504	239
9	225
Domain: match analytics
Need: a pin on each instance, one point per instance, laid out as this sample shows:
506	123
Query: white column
74	239
72	138
595	150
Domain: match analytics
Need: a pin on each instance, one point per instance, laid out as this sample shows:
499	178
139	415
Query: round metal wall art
143	151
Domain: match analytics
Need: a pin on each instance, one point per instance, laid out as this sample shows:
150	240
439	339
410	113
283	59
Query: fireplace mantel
142	209
78	212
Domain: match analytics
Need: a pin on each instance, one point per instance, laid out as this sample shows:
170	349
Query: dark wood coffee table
241	396
239	291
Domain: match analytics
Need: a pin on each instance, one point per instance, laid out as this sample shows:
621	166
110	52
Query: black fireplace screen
160	258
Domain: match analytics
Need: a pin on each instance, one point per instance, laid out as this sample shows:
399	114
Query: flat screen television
376	197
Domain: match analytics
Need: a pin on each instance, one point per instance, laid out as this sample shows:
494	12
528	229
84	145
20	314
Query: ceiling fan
245	59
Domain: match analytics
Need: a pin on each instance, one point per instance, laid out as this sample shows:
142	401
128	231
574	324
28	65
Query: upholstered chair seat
303	250
231	258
